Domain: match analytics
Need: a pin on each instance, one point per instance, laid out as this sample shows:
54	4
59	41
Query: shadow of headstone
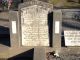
28	55
71	25
4	36
50	25
62	39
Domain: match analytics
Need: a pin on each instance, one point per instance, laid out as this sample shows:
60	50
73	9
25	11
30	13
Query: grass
54	1
65	3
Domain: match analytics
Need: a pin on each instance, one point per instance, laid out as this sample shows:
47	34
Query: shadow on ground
4	36
28	55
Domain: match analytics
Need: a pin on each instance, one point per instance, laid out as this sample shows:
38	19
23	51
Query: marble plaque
72	38
14	27
57	24
34	26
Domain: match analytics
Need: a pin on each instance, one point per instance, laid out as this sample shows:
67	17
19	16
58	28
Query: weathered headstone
34	26
34	23
14	17
30	26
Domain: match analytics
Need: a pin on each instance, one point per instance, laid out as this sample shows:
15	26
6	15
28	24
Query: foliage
54	1
5	4
65	3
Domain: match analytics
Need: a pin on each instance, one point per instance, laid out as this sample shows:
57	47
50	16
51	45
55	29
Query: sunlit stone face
34	26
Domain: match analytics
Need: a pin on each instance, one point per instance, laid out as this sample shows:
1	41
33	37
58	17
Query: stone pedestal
13	18
57	17
39	53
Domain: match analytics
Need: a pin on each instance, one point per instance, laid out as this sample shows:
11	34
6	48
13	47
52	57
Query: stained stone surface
34	26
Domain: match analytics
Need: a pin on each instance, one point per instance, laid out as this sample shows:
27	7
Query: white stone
34	26
57	26
72	38
14	27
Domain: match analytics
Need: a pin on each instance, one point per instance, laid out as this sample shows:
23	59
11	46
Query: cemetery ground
7	52
21	52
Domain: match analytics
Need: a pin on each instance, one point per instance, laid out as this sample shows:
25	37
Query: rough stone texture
35	2
57	36
34	23
39	54
34	26
4	15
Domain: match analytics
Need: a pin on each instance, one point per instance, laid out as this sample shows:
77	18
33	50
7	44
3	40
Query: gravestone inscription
34	25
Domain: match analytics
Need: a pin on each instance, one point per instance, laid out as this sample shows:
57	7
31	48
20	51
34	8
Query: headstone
34	26
71	27
34	23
